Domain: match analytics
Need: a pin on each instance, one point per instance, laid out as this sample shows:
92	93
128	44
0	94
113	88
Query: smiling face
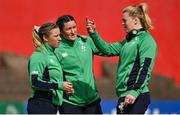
69	30
54	38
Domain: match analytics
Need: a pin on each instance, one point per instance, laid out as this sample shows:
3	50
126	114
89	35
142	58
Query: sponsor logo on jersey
51	60
65	54
34	72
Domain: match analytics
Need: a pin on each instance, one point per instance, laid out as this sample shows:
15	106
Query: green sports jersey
45	73
76	58
135	64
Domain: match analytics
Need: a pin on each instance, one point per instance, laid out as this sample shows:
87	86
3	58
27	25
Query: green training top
45	73
76	58
135	64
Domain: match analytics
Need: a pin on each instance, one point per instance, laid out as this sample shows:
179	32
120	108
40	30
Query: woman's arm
106	48
147	54
39	74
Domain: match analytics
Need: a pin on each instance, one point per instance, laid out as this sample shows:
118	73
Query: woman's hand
129	99
90	25
68	88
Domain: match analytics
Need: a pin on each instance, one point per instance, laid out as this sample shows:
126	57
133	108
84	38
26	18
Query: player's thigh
71	109
40	106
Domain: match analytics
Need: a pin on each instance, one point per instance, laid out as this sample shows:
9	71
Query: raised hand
90	25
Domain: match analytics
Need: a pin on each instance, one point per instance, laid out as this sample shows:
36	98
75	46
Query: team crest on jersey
83	47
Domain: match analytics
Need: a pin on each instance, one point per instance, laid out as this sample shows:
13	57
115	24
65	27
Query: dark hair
44	30
63	19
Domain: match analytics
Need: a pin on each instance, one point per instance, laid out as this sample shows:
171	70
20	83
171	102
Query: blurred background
17	18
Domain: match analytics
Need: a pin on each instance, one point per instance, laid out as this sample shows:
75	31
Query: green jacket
135	64
76	58
45	73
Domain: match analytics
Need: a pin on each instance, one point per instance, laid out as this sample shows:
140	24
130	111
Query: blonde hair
140	11
37	41
44	30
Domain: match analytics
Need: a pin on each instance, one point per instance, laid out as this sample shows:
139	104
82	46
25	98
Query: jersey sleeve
104	47
39	75
147	54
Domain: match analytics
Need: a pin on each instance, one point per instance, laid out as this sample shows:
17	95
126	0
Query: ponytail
146	21
37	41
